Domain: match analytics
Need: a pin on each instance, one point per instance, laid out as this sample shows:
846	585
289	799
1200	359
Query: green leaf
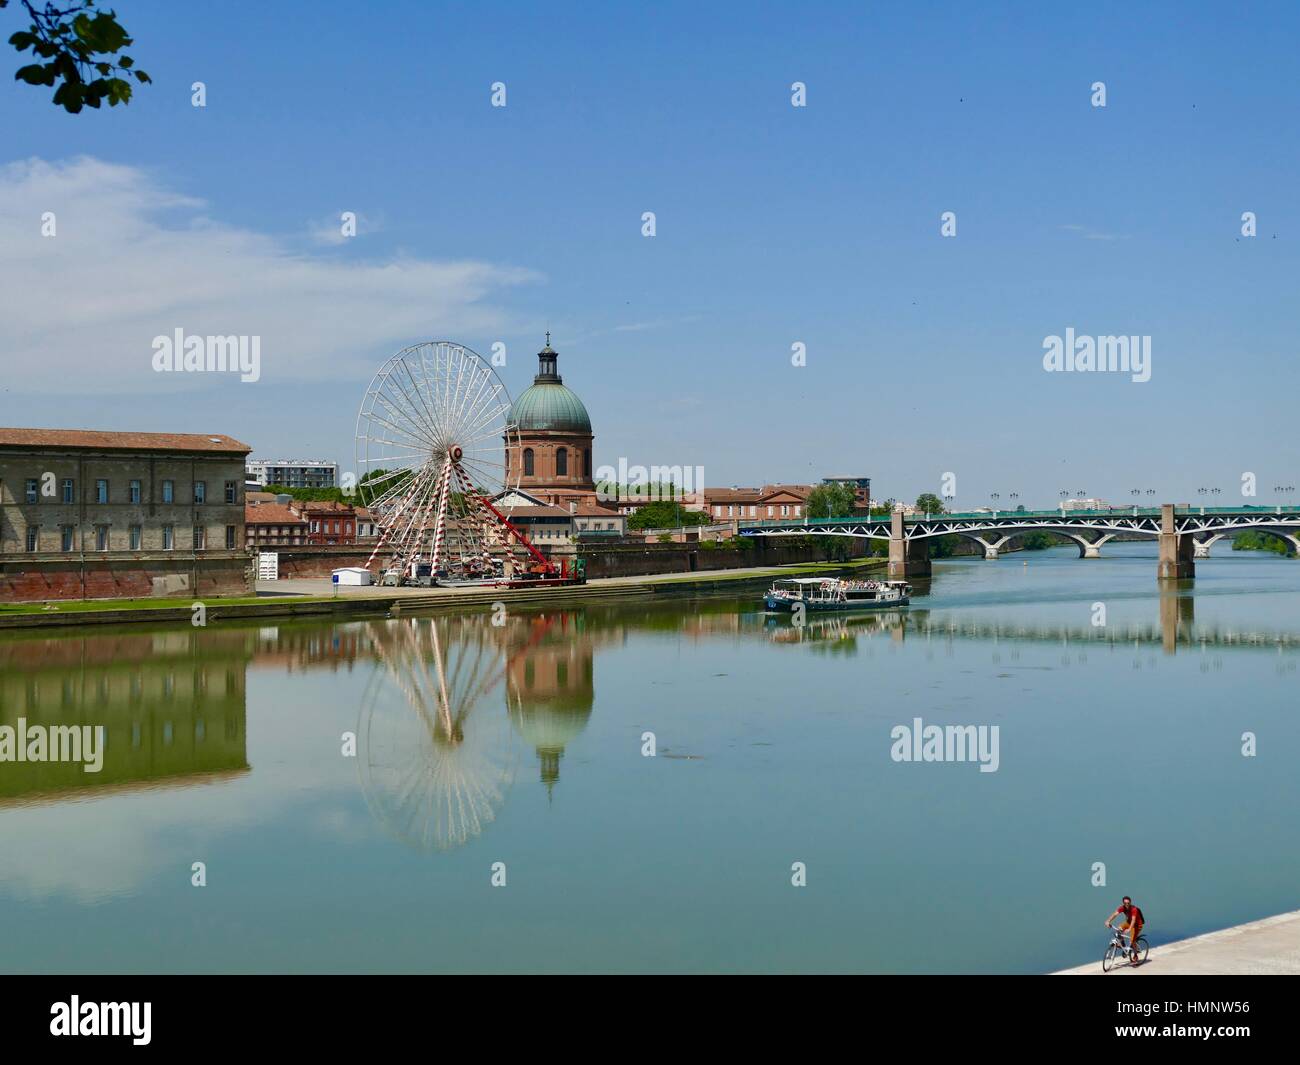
35	75
69	96
23	40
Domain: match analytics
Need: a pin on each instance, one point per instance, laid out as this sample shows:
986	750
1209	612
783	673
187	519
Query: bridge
1183	532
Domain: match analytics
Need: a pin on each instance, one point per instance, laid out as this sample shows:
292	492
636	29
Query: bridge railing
1005	515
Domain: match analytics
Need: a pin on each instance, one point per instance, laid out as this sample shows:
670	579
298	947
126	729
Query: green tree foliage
377	482
1037	541
311	495
929	503
82	51
831	501
1250	540
665	514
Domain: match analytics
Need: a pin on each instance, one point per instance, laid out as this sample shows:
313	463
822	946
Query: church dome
547	406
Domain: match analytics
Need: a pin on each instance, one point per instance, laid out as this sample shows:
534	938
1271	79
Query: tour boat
835	593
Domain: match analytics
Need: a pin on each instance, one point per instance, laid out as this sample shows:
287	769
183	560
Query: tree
831	501
78	42
929	503
665	514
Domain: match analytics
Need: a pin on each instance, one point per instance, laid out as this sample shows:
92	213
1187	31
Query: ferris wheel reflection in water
437	755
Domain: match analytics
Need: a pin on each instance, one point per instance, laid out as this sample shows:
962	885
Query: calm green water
521	743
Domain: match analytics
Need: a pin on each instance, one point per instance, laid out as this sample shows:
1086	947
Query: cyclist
1133	922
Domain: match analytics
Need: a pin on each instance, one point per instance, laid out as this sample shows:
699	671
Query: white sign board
268	566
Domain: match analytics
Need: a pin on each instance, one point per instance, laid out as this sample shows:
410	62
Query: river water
518	751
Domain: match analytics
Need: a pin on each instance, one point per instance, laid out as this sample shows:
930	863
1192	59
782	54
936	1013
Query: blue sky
776	225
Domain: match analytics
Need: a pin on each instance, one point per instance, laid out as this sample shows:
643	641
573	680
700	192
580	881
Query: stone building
553	460
86	514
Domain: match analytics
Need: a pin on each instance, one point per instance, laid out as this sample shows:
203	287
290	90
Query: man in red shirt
1133	922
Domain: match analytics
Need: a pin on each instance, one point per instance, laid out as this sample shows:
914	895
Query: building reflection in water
454	705
550	689
172	705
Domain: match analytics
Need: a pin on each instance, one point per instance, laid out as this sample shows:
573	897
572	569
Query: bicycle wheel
1142	948
1108	959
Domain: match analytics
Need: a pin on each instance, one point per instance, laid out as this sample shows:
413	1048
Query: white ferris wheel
434	465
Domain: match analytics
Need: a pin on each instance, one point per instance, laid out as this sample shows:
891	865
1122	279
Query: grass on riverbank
81	606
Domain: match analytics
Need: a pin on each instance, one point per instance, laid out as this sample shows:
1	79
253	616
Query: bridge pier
1092	548
1201	548
1177	551
907	558
991	549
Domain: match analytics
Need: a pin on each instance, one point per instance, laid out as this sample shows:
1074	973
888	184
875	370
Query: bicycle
1118	948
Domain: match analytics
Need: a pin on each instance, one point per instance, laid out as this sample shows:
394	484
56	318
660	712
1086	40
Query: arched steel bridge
1184	532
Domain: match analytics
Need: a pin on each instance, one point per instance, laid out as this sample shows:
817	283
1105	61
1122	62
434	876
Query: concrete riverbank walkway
1267	947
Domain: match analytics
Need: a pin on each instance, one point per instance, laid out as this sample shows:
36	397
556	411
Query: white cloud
133	260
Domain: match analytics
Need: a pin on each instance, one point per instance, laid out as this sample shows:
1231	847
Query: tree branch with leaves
82	51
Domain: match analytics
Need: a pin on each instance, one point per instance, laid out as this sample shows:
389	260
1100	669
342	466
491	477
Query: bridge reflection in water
1177	627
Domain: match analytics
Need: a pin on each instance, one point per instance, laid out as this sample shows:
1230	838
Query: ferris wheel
434	459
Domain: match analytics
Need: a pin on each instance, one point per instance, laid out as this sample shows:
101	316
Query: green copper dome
547	405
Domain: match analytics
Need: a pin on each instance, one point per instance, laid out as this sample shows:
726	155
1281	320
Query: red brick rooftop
92	438
270	514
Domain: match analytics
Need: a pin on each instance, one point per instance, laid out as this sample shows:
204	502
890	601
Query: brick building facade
87	514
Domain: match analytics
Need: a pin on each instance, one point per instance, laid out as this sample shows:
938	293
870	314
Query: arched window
562	462
528	462
586	462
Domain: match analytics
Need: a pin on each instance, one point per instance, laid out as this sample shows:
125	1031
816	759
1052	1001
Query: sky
775	225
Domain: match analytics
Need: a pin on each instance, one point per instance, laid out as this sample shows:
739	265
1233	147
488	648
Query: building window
562	462
30	489
101	537
169	534
33	538
528	464
67	538
232	492
101	491
769	510
169	491
586	462
230	537
797	510
135	492
137	535
69	490
315	526
200	538
200	492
